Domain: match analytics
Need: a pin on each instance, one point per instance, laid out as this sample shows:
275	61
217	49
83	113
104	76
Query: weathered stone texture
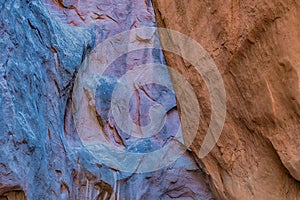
256	47
43	45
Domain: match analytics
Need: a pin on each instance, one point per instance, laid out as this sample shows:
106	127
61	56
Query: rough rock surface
256	47
43	45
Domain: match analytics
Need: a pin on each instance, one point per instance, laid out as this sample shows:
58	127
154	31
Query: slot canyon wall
44	44
256	46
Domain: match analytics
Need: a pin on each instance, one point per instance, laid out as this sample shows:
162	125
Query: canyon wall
44	45
256	46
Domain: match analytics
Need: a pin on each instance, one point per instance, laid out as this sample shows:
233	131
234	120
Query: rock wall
43	46
256	47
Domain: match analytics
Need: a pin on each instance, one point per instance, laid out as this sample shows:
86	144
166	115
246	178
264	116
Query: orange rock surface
256	46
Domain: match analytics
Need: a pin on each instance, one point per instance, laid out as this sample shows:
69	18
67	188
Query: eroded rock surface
256	47
43	45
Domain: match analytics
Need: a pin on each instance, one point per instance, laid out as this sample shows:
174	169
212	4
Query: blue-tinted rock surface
43	45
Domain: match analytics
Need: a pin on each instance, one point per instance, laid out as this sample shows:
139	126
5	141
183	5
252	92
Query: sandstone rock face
43	47
256	47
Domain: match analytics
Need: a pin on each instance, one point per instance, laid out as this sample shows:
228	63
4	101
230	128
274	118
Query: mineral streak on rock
44	44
